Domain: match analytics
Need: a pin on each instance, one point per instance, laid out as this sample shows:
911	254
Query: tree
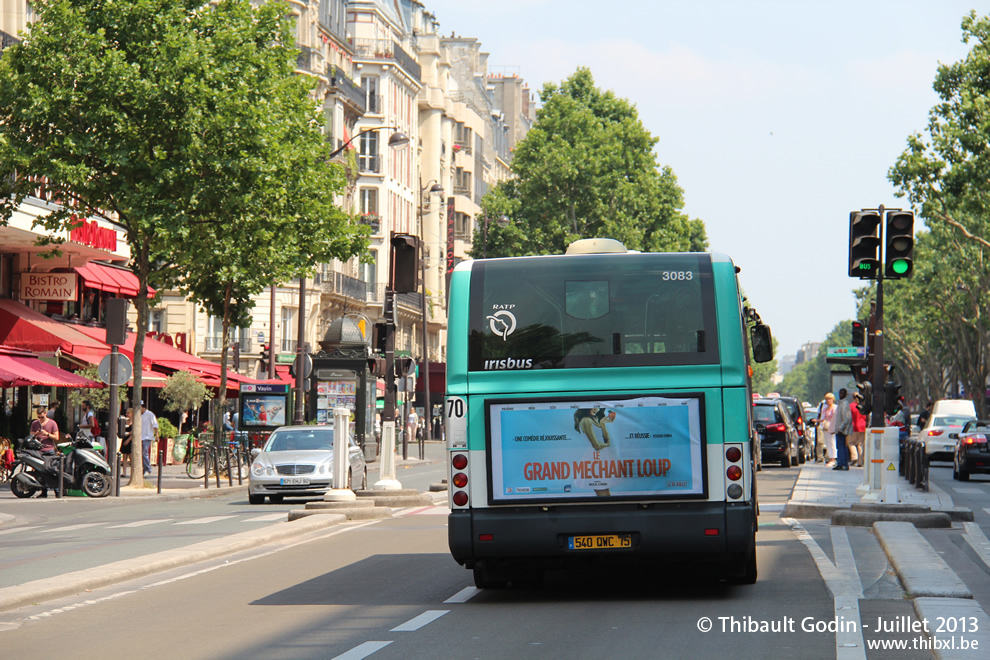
587	169
98	397
166	118
945	174
182	392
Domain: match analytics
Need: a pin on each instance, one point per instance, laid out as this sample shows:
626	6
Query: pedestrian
925	414
826	429
858	438
412	423
53	408
843	429
45	431
124	432
149	433
86	423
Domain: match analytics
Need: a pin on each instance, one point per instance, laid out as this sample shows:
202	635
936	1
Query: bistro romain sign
49	286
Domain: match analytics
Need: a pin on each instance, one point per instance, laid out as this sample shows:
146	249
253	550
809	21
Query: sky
778	117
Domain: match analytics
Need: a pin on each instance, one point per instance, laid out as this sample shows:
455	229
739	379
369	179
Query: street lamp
396	140
502	221
434	189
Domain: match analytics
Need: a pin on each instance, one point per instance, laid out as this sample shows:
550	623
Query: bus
598	410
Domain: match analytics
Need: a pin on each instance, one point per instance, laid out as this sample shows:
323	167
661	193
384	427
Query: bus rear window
612	310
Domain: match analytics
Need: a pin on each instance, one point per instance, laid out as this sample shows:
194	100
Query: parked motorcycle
85	470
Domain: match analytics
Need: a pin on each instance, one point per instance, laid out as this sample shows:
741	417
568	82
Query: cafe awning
111	279
20	368
23	327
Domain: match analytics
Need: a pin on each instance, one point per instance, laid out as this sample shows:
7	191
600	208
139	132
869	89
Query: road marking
464	595
968	491
204	521
70	528
844	584
362	651
978	541
429	616
268	517
141	523
17	529
772	507
985	509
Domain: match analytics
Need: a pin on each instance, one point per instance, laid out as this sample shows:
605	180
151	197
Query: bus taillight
733	454
734	473
460	480
460	498
459	461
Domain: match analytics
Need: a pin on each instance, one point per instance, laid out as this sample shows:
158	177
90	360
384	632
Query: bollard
216	464
61	475
237	457
119	467
161	464
206	466
230	474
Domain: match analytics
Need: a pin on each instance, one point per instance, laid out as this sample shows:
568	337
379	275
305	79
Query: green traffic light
900	266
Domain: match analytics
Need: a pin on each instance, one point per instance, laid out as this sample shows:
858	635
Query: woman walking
826	427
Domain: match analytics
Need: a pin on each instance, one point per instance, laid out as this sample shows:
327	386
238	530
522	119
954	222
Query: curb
920	520
921	570
128	569
959	609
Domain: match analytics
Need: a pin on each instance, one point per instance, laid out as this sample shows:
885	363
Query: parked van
942	429
954	407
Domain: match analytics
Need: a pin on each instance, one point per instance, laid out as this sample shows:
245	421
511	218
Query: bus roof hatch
595	246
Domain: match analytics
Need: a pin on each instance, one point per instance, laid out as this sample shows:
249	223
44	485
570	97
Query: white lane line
204	521
772	506
268	517
362	651
968	491
844	584
142	523
978	541
70	528
986	509
429	616
17	529
464	595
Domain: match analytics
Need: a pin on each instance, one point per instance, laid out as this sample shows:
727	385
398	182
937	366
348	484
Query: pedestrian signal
863	245
899	253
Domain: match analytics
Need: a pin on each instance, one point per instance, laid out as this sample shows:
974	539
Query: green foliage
166	429
183	392
586	170
99	398
936	326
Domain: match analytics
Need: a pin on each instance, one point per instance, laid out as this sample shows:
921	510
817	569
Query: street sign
124	370
307	365
846	352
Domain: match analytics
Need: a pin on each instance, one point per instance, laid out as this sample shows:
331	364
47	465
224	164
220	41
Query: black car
779	440
806	444
972	454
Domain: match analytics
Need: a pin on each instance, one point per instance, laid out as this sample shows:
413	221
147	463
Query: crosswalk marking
71	528
204	521
268	517
17	529
141	523
968	491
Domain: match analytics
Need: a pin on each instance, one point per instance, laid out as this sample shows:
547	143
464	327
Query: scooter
85	470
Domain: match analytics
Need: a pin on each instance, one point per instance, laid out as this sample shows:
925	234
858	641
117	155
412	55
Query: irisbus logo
502	323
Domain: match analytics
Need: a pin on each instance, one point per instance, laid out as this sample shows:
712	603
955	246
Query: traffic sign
846	351
124	370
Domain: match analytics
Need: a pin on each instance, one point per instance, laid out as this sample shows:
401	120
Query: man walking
149	433
843	428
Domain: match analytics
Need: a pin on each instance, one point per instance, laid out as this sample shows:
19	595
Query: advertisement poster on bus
647	446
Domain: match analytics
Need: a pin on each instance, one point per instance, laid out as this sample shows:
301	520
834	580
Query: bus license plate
599	542
294	481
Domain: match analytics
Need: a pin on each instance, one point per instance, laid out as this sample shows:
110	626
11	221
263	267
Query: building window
288	332
372	98
156	320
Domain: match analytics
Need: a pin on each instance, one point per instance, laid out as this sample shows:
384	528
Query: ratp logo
502	323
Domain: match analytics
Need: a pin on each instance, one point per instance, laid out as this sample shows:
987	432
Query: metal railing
215	344
386	49
288	346
373	220
369	164
914	463
307	60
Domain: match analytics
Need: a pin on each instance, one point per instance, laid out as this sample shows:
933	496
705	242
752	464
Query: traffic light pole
879	374
387	480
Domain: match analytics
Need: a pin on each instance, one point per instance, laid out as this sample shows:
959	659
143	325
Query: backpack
95	428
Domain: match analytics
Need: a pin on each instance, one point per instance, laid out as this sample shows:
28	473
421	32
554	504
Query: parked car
940	434
297	461
806	446
972	454
779	440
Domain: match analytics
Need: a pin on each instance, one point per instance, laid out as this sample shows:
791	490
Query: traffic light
899	256
405	264
405	366
266	356
379	337
891	391
858	334
377	367
866	391
863	245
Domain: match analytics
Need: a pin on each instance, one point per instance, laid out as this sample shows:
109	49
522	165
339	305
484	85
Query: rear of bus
598	410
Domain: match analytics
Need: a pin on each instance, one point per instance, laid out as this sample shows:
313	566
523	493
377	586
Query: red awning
111	279
282	375
23	327
438	377
21	368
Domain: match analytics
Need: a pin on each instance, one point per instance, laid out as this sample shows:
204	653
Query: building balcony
385	49
373	220
215	344
309	60
287	346
369	164
462	147
349	91
462	190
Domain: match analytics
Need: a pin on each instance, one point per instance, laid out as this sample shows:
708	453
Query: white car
940	434
297	461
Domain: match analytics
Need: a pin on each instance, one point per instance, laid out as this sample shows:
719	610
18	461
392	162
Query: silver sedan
297	461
